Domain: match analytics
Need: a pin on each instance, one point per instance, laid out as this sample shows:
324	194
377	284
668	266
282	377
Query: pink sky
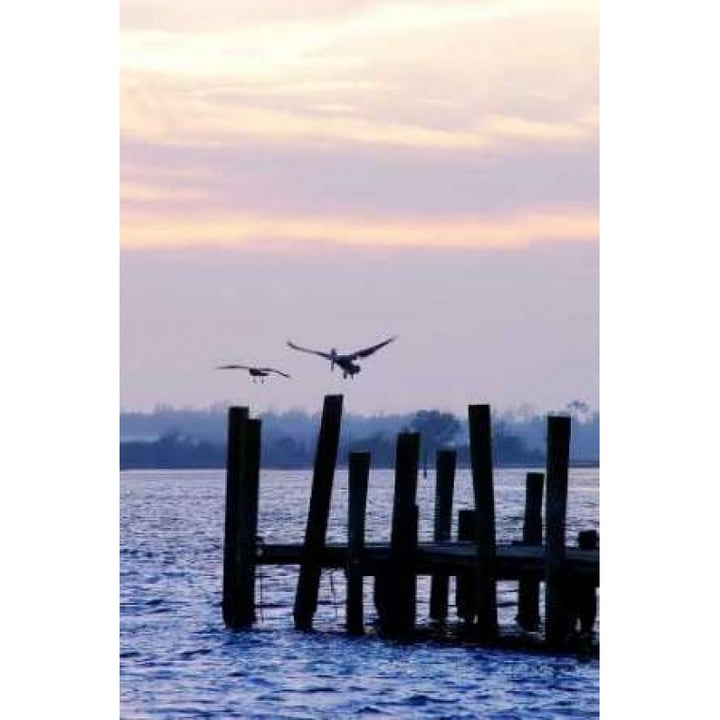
291	129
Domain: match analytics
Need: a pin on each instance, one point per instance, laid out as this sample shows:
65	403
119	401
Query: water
178	661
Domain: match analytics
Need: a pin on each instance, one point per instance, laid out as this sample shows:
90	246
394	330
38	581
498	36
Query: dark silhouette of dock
476	561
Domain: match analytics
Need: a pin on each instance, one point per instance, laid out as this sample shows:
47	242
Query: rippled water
178	661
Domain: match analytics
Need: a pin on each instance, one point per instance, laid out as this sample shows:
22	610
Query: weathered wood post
558	459
401	578
465	584
444	485
231	568
317	520
250	451
482	473
529	590
358	474
239	602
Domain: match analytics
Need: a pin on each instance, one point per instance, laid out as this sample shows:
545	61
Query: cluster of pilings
475	559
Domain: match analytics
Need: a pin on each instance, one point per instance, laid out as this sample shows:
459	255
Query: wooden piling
465	581
529	590
401	580
558	458
239	610
236	417
444	485
319	510
482	473
250	450
358	474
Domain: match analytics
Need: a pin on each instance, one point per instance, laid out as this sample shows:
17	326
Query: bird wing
372	349
233	367
327	356
273	370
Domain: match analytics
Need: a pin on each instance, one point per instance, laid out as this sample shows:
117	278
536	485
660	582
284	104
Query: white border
60	391
659	361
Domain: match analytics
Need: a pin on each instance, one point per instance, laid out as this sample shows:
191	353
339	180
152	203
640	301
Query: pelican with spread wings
255	372
346	361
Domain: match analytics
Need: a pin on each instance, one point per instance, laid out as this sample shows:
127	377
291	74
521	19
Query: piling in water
239	610
444	486
317	519
399	617
558	456
528	616
482	475
231	560
358	474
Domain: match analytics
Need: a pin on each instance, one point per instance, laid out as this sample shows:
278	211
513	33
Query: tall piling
401	582
358	474
243	479
317	520
236	417
558	459
444	486
483	490
529	589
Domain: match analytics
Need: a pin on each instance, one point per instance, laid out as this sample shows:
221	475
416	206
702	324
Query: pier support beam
325	459
528	616
358	474
482	473
241	514
400	583
444	486
558	458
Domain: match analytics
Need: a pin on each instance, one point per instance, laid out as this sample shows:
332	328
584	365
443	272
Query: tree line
176	449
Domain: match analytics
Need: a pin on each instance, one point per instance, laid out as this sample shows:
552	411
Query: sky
335	172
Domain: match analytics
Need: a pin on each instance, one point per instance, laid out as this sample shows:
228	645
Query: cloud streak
460	123
289	232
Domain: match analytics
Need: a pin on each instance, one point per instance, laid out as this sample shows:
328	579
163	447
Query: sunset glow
247	231
458	124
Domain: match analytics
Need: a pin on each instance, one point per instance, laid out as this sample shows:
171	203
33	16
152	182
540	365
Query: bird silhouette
345	361
255	372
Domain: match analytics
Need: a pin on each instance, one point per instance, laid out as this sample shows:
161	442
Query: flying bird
255	372
346	361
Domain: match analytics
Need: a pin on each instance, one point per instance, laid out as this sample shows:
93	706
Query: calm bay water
178	661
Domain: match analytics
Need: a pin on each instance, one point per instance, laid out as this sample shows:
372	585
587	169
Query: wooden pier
477	562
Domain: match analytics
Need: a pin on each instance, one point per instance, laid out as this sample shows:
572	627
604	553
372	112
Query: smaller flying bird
346	362
255	372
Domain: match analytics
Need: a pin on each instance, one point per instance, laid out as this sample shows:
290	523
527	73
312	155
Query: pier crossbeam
514	562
